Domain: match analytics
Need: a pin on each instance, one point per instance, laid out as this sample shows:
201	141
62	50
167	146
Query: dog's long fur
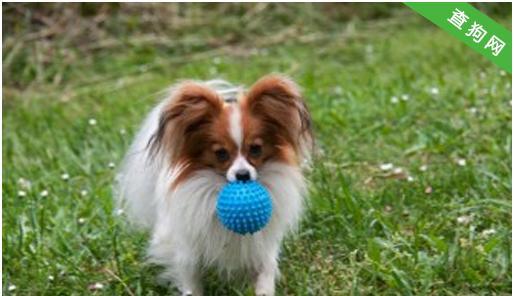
176	199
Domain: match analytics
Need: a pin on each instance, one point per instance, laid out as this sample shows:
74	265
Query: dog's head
269	123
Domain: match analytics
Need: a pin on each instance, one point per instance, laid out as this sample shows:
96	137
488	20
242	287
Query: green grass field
394	90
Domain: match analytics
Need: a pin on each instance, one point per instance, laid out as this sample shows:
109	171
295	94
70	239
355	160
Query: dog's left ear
278	101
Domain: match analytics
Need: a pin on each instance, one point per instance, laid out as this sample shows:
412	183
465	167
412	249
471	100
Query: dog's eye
222	154
255	150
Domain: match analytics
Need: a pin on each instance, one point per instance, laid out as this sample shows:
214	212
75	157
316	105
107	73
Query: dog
200	136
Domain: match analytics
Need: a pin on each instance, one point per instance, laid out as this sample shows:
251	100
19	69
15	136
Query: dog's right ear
192	106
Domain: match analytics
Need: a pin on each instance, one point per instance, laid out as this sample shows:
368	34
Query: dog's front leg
265	281
188	278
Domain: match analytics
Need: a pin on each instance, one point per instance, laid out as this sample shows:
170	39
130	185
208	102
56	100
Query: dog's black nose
243	175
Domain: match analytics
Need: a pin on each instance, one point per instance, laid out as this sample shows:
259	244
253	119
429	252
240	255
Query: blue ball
244	207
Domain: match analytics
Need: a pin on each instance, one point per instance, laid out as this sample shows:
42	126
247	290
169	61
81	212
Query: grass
446	230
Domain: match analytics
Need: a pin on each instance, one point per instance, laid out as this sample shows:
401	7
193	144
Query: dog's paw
190	293
265	286
264	292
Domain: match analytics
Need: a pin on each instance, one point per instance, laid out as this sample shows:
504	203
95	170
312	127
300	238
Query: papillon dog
202	135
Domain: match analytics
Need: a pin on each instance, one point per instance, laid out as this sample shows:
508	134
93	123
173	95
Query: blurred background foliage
43	40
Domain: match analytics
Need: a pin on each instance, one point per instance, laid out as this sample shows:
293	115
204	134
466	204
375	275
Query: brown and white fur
200	136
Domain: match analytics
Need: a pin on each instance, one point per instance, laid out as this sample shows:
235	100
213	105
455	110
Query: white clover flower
405	97
11	288
488	232
22	193
92	121
50	277
386	166
434	90
473	110
82	220
464	219
96	286
464	242
398	171
461	162
119	212
503	73
120	82
338	90
99	286
423	168
44	193
83	192
111	165
24	183
65	176
410	179
369	49
123	131
394	100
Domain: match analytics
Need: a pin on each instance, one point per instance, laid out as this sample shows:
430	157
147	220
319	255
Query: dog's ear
192	106
277	100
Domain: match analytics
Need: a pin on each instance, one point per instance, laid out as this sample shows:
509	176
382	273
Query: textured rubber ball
244	207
